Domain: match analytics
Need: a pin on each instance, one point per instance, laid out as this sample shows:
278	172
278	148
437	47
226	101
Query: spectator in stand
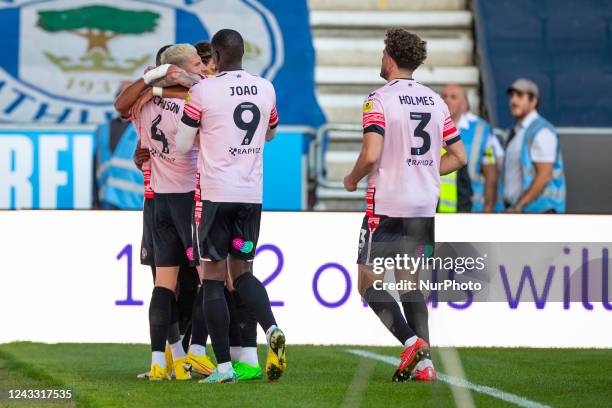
482	148
117	182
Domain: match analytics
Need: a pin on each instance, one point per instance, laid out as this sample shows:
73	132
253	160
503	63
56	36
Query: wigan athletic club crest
66	59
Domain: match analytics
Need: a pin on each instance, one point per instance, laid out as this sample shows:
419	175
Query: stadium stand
348	40
555	40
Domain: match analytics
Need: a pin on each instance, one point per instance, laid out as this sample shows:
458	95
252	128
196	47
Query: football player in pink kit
172	180
235	113
405	126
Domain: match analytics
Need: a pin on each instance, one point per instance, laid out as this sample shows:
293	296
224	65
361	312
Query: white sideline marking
493	392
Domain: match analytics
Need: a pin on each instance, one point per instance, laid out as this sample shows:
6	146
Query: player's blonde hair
177	54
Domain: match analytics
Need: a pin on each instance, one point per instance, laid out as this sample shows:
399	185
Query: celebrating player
235	113
243	326
172	180
405	125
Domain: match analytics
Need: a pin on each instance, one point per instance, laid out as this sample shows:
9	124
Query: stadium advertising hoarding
63	60
46	168
307	261
52	168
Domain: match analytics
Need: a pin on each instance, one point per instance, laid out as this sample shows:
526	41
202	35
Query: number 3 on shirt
423	118
250	126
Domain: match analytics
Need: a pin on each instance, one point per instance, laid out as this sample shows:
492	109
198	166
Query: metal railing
342	132
580	162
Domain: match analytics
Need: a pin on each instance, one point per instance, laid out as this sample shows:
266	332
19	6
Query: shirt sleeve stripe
273	117
374	119
452	140
189	121
374	129
192	112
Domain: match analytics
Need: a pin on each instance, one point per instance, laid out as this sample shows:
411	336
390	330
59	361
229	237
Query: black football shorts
228	228
387	237
171	232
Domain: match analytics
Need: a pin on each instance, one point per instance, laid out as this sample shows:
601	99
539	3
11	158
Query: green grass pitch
104	375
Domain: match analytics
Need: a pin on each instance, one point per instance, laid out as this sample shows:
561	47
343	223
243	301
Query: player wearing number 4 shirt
172	179
235	114
405	126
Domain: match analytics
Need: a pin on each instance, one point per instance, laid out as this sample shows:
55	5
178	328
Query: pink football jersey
157	124
233	111
415	124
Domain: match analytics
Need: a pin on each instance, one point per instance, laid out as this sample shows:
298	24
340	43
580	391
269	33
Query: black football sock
159	317
234	328
188	282
199	330
247	322
389	313
187	337
217	318
417	315
255	297
174	334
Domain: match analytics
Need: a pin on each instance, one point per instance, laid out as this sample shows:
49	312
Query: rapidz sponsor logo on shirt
240	151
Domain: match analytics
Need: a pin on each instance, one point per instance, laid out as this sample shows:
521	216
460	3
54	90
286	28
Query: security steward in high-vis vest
534	180
482	149
118	182
455	192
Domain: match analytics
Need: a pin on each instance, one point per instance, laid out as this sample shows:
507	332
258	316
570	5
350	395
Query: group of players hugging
203	122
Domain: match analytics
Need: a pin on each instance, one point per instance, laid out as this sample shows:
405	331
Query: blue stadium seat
587	98
565	46
602	8
583	33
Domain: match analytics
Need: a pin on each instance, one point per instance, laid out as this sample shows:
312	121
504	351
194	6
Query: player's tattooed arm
130	95
184	79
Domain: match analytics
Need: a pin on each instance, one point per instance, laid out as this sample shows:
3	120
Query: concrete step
404	5
326	204
346	75
384	19
347	107
448	52
339	164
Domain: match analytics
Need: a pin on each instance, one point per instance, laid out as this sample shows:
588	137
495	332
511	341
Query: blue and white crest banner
62	60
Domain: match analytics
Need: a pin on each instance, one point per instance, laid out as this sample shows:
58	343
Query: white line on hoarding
483	389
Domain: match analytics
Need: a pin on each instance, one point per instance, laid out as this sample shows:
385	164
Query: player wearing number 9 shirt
235	113
405	126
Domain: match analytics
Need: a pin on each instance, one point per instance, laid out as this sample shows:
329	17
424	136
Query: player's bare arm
141	155
369	155
271	133
175	91
454	159
543	176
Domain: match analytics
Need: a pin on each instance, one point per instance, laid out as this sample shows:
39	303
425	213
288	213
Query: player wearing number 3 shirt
405	127
235	114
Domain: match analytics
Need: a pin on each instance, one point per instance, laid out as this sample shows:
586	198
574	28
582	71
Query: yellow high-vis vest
449	193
